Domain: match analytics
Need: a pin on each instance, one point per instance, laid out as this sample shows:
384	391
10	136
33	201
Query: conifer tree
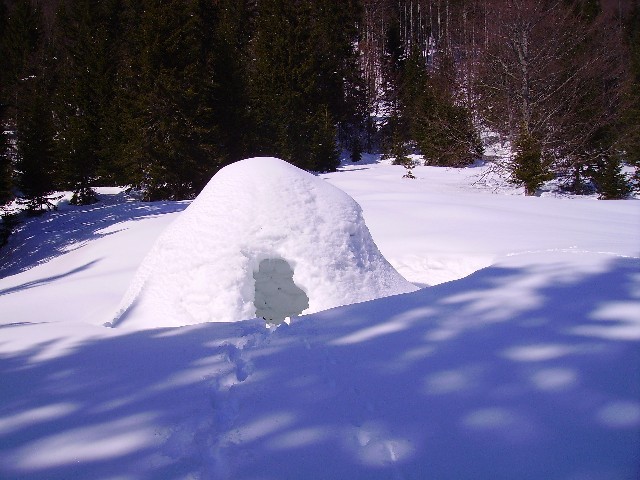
5	163
125	131
630	122
610	181
6	170
85	37
529	167
3	52
232	24
20	36
587	10
335	63
279	80
304	80
28	103
36	161
596	122
430	117
3	21
170	98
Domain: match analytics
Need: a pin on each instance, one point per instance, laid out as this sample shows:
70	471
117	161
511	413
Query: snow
202	268
521	360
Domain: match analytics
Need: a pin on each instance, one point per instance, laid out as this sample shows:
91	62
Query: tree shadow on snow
127	406
39	239
493	376
45	281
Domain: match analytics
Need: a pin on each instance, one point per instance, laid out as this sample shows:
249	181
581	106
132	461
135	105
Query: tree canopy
159	95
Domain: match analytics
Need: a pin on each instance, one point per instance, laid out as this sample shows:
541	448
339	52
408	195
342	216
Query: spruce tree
20	37
85	37
630	121
432	119
169	98
305	87
610	181
3	55
35	145
529	167
596	122
231	24
5	162
6	170
3	21
587	10
335	63
125	155
281	80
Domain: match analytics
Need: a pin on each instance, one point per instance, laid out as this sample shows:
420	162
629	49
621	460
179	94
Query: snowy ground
520	360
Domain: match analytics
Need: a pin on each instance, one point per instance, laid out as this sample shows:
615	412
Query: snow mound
209	265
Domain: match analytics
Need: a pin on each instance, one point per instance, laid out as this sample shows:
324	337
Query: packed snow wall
206	267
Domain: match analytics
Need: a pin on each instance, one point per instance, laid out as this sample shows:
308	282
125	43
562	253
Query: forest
160	94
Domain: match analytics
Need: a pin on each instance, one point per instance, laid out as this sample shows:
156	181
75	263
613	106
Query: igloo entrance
276	295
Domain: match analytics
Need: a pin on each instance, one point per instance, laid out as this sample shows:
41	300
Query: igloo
263	238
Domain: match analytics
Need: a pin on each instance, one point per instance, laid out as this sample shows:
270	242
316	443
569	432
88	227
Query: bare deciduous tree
553	75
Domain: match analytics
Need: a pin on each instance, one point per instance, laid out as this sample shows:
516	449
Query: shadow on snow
45	281
460	381
40	239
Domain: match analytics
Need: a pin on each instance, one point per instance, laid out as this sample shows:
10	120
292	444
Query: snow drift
527	369
263	236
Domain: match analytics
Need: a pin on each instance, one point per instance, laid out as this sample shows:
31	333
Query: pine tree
430	117
85	36
610	181
587	10
595	125
280	80
35	146
529	167
169	98
340	83
304	81
397	148
5	163
322	150
6	170
630	121
20	36
394	131
125	155
232	25
4	19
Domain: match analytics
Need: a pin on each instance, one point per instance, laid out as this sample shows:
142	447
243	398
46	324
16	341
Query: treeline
160	94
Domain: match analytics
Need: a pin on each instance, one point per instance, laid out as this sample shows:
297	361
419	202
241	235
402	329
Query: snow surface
202	267
522	360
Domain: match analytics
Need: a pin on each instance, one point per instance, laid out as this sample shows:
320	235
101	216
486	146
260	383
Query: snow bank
526	369
204	266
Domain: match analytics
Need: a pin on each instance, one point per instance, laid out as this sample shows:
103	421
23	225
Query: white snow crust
521	361
202	267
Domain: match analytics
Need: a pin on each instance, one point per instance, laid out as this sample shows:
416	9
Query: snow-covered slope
528	367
